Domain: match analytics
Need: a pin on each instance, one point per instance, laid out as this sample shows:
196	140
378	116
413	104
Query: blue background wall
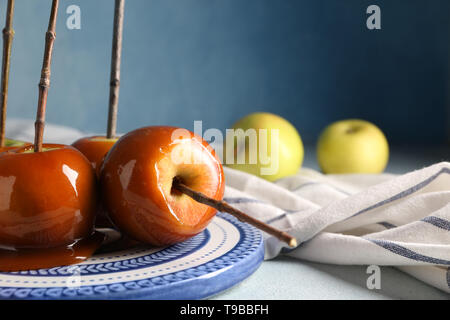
311	61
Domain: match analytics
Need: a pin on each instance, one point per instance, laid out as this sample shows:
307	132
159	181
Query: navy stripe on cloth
438	222
407	253
387	225
405	193
435	221
304	185
448	277
242	200
319	183
281	216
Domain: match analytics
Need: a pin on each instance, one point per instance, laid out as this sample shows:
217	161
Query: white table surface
288	278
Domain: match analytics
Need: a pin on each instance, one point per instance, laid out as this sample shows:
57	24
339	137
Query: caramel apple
95	149
48	193
137	176
48	198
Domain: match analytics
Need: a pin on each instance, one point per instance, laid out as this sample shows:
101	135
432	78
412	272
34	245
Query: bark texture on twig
225	207
8	35
115	68
44	83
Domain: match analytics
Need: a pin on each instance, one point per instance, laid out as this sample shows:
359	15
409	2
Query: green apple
276	152
352	146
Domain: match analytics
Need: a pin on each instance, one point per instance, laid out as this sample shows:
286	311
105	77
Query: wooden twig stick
44	83
115	68
8	35
225	207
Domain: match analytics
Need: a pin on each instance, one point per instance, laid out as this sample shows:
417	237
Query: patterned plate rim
202	281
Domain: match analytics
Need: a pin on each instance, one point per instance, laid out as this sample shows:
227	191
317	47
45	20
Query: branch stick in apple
8	35
222	206
44	83
115	68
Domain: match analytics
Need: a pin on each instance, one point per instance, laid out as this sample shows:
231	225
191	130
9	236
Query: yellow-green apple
136	180
352	146
264	144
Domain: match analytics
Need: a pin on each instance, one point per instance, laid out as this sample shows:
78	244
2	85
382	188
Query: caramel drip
32	259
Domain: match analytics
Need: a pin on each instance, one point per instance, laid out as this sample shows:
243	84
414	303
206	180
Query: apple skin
136	184
47	199
94	148
290	152
352	146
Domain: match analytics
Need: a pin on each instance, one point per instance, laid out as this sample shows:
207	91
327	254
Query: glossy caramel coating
94	148
136	182
47	199
32	259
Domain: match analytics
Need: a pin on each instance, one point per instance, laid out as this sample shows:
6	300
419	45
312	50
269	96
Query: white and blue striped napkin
384	220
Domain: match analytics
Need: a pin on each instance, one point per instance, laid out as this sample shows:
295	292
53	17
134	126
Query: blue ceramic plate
221	256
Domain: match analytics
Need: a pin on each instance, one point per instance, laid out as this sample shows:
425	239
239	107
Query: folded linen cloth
386	220
356	219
